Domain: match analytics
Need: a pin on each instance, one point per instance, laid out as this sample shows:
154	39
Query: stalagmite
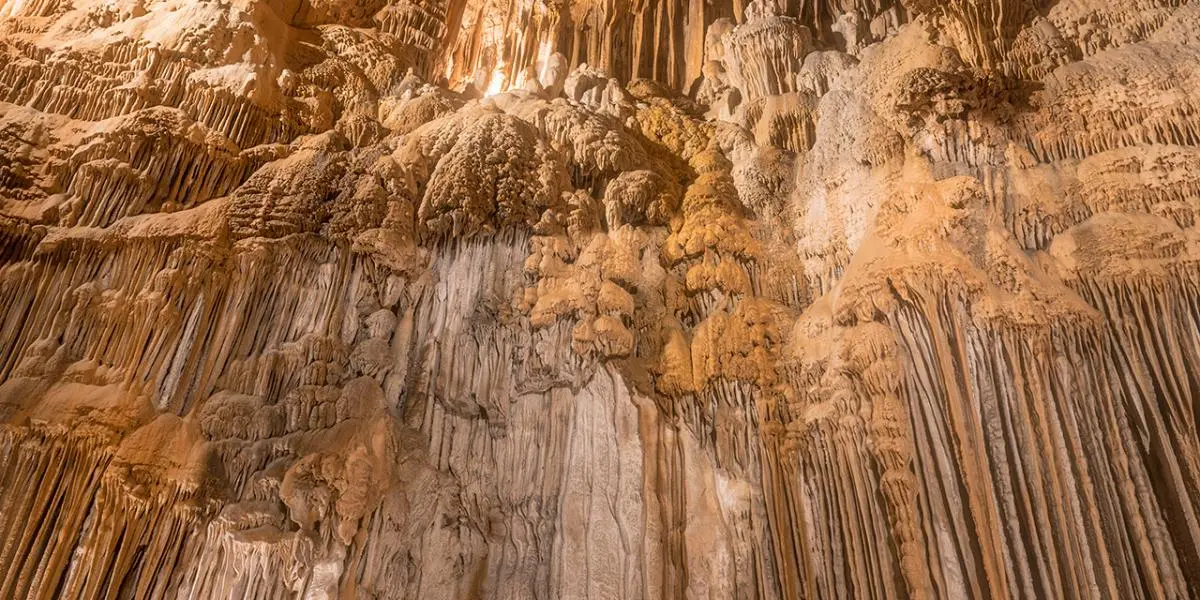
508	299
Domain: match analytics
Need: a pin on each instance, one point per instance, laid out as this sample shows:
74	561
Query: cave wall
484	299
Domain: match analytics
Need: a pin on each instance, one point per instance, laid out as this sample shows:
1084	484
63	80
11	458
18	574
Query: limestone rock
522	299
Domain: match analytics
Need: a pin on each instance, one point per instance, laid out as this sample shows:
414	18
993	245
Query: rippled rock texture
512	299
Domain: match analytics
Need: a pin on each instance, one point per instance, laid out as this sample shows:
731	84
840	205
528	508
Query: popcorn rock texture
512	299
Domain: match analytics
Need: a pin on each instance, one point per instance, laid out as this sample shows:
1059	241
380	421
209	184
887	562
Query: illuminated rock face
484	299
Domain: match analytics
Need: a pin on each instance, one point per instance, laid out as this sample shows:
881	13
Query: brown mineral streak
514	299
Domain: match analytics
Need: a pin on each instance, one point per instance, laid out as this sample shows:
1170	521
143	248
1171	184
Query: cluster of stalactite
485	299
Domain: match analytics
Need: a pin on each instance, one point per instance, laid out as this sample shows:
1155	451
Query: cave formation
599	299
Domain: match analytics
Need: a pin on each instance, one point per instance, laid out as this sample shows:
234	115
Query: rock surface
521	299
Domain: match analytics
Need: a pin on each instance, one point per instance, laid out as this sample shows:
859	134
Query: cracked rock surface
585	299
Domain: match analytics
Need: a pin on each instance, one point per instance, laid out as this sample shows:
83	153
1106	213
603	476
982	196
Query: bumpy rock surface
522	299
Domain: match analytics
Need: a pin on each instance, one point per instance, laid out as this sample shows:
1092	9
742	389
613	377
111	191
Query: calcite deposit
583	299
